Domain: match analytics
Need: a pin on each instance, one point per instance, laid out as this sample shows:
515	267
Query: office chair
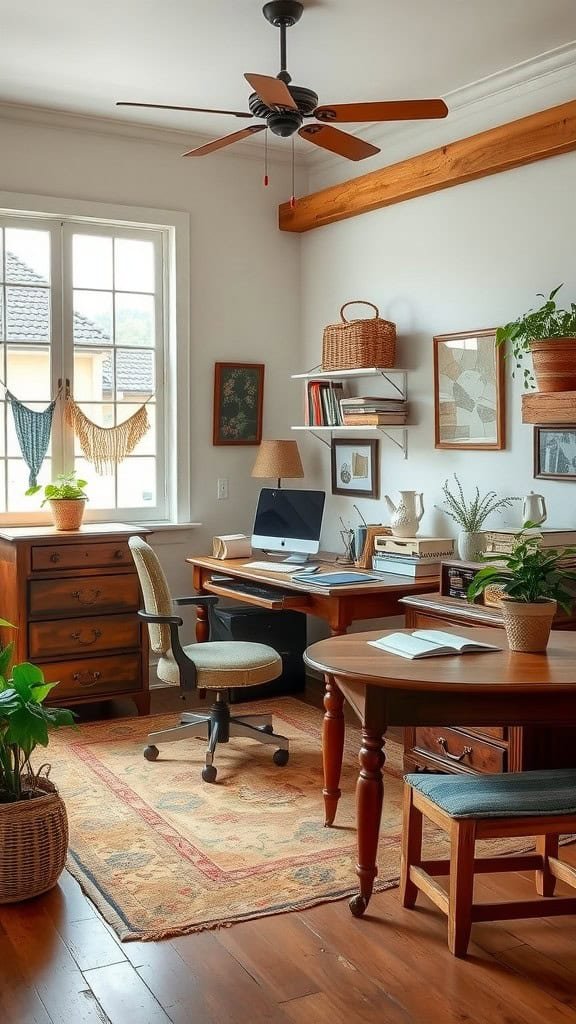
215	666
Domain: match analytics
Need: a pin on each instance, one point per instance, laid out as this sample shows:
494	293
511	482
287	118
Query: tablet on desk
337	579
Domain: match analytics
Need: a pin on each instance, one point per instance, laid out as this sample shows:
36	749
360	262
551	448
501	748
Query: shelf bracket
319	437
402	391
402	445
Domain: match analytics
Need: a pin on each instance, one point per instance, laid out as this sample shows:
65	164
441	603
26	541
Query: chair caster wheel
209	773
267	728
280	757
151	753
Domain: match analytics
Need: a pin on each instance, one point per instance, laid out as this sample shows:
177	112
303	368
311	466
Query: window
84	303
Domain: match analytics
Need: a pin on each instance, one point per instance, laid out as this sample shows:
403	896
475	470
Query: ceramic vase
406	515
471	546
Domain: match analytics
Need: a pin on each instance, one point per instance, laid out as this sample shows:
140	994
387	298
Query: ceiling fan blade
327	137
228	140
272	91
168	106
393	110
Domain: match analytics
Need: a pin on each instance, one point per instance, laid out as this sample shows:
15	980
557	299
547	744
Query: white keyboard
283	567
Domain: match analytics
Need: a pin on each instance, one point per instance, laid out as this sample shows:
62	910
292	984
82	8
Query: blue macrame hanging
33	432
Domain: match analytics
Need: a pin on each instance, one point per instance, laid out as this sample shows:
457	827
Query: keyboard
275	566
254	589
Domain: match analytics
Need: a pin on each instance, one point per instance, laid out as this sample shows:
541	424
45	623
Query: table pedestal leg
369	798
332	748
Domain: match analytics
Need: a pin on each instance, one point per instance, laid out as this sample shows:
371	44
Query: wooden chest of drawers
75	598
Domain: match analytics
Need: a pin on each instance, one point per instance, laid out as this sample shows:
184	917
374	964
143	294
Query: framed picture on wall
238	400
355	468
555	452
469	404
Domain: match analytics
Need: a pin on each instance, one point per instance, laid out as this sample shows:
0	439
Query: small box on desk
456	577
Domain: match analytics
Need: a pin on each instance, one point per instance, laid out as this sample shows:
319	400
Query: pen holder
348	541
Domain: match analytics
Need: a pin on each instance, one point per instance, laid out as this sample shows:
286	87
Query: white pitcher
404	517
534	509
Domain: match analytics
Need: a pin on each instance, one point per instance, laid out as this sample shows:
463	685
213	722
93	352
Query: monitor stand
296	559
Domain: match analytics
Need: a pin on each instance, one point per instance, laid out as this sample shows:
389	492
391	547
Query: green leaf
39	692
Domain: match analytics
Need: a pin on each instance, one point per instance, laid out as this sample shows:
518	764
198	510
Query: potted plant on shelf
33	822
66	499
470	515
549	335
533	583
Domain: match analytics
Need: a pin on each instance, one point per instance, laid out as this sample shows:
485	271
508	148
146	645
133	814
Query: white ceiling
82	56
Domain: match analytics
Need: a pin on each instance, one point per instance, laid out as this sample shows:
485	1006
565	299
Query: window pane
134	375
27	256
1	312
92	317
134	319
28	372
92	374
1	254
133	265
101	414
11	439
28	314
2	423
147	445
137	483
18	473
91	261
100	489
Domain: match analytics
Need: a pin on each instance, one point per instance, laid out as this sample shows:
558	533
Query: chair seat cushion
227	663
516	794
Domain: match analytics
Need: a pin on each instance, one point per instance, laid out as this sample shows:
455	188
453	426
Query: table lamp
279	459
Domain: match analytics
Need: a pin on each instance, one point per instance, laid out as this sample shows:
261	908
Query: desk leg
332	748
202	624
369	798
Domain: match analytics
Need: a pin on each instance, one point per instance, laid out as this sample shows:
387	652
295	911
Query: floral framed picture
238	400
555	452
355	468
469	405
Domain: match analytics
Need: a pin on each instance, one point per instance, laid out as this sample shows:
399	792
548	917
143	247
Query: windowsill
163	525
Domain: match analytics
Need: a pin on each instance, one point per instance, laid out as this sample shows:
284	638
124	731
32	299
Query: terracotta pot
528	625
67	513
33	844
554	362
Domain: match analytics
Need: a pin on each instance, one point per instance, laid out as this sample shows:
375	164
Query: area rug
162	853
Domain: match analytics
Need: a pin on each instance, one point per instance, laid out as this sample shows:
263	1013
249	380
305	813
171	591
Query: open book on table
427	643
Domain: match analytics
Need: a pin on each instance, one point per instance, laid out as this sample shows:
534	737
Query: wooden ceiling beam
536	137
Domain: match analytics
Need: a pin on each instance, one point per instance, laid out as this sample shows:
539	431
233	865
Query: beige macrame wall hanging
105	447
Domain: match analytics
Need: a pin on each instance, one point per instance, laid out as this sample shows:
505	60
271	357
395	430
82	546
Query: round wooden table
495	688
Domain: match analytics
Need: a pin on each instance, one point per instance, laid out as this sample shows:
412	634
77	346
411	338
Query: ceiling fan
283	106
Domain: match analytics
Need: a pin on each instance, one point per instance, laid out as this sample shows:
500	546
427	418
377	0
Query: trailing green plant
528	573
548	321
66	486
471	514
24	724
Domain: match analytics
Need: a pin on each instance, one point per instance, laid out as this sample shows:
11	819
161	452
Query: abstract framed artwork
469	404
355	468
555	452
238	401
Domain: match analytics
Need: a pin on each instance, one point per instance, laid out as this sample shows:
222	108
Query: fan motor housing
286	122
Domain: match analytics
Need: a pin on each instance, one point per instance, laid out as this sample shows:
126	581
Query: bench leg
411	847
546	846
462	844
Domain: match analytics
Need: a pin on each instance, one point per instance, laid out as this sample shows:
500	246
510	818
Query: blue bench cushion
517	794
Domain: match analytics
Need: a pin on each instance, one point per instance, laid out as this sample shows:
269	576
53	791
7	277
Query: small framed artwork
355	468
469	405
555	452
238	400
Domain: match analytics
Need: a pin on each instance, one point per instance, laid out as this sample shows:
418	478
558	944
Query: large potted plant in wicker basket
66	499
33	822
533	582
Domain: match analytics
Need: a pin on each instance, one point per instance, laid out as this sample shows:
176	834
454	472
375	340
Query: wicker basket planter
67	513
528	625
358	344
33	844
554	361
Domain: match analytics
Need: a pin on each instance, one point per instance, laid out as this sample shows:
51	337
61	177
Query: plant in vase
548	334
533	583
470	515
66	499
33	823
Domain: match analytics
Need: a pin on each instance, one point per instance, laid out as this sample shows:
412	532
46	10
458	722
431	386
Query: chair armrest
185	664
166	620
197	599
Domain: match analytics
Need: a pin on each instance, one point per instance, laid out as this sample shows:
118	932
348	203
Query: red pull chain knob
266	181
292	202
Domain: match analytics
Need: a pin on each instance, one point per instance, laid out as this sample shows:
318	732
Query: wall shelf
400	442
370	371
549	407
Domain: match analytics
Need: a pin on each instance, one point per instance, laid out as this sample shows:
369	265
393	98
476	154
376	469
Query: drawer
80	595
84	635
93	676
459	748
497	732
80	556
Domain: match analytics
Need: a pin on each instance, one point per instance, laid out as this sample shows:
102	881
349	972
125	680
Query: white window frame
174	431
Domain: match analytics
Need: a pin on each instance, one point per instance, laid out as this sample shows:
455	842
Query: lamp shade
278	459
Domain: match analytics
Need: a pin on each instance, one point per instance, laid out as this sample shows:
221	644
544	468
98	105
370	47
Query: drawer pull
78	594
119	554
54	557
443	743
77	636
86	678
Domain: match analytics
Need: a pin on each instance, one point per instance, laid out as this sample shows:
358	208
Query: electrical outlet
222	489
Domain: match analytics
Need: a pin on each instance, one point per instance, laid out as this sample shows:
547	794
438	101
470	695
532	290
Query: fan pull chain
293	196
266	178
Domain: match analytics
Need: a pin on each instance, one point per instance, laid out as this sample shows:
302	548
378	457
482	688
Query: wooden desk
479	689
339	607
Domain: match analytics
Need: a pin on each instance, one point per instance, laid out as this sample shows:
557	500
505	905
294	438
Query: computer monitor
289	520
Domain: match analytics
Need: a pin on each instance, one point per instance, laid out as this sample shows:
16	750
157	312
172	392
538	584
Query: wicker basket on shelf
358	344
33	844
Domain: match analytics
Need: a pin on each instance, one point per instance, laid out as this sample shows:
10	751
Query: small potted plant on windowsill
548	334
470	515
66	499
533	583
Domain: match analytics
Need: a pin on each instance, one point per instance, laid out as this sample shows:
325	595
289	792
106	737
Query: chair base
219	726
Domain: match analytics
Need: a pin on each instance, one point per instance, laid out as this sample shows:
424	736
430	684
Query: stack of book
503	541
323	403
420	558
373	412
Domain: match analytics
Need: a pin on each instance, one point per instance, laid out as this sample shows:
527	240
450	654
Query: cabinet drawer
498	732
79	556
452	747
75	636
97	676
80	595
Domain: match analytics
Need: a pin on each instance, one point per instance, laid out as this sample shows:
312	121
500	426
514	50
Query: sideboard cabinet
74	598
